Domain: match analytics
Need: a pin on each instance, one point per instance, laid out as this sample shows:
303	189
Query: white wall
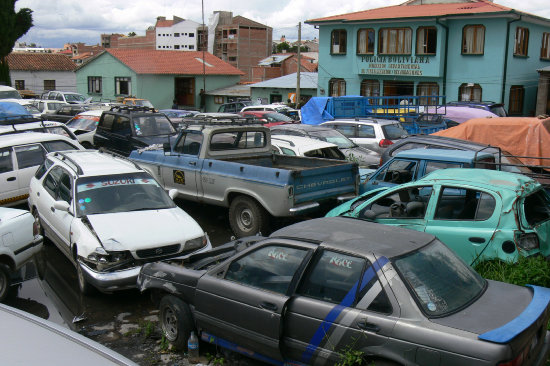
34	80
167	38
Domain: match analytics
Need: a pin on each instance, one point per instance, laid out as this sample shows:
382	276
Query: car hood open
144	229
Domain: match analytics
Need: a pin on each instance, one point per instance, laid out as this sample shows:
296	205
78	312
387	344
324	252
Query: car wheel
176	321
247	217
83	285
37	222
5	281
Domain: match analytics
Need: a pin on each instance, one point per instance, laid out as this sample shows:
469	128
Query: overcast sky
67	21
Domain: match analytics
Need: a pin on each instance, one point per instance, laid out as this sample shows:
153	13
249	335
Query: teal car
480	214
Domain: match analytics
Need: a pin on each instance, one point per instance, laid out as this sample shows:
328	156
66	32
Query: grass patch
527	271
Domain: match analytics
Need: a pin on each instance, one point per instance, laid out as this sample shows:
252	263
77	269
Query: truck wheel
176	321
247	217
5	281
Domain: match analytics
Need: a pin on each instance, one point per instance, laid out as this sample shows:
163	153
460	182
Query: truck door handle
476	239
194	163
268	306
52	208
11	179
368	326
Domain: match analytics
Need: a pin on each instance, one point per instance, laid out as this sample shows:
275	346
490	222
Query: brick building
115	40
279	65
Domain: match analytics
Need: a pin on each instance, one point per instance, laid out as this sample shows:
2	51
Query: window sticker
341	262
278	254
114	182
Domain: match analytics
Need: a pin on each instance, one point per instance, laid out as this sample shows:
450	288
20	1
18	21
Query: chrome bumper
111	281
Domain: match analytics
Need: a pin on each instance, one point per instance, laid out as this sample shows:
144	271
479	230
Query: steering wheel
398	210
395	176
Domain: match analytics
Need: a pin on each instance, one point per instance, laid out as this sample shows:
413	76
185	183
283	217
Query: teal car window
410	202
537	208
334	277
398	171
464	204
436	165
269	268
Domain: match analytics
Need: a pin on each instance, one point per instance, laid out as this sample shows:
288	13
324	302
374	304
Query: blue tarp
12	110
314	111
321	109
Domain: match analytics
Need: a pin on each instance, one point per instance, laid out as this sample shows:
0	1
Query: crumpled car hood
144	229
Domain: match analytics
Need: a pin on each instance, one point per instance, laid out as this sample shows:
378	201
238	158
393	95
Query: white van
7	92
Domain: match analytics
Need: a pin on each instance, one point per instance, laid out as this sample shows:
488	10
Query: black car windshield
439	280
333	137
119	193
394	131
153	125
83	123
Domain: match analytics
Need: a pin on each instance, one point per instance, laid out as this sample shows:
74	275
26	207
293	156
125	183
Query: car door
182	170
28	158
244	302
464	218
340	302
9	184
57	186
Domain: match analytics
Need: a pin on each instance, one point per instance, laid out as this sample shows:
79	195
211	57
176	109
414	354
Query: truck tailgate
321	183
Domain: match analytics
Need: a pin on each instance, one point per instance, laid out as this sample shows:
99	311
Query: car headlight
196	243
103	259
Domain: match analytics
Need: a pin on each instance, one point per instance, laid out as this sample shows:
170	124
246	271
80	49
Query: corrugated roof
416	11
40	62
238	90
274	59
308	80
144	61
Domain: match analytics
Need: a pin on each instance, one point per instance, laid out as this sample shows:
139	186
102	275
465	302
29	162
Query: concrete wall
266	93
34	80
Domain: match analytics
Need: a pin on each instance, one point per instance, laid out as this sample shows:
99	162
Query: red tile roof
308	65
143	61
415	11
40	62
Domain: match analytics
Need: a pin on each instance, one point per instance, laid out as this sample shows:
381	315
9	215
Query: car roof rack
64	157
132	108
220	121
102	150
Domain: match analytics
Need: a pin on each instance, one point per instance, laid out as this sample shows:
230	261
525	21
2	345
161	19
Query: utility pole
299	65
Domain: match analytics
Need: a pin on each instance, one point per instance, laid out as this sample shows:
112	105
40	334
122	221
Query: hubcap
170	324
246	220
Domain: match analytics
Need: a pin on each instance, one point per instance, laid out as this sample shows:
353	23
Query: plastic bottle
193	348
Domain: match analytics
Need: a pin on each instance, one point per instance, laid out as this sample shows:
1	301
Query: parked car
234	107
317	289
305	146
28	104
268	118
20	156
83	125
52	343
137	102
57	128
65	97
280	108
108	216
374	134
410	165
66	112
123	129
7	92
177	116
480	214
48	106
20	241
496	108
366	158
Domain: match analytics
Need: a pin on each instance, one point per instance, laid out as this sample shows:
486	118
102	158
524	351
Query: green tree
283	46
132	34
12	27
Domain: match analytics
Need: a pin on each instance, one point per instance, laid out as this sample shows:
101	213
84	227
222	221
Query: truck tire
176	321
247	217
5	281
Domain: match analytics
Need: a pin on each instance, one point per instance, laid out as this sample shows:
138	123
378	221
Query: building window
545	47
469	92
428	93
521	43
123	86
232	58
94	84
365	41
191	47
49	84
191	34
176	34
473	40
20	84
337	87
338	42
517	92
159	46
394	41
370	88
218	99
176	46
426	40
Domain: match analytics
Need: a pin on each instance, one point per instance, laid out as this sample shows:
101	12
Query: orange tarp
520	136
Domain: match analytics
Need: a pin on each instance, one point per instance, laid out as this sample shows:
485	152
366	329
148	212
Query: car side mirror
61	206
167	148
173	193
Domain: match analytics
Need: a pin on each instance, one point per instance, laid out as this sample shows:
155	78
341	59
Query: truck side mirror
167	148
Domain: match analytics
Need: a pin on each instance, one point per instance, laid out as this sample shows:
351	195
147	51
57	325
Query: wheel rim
170	324
3	283
246	220
37	221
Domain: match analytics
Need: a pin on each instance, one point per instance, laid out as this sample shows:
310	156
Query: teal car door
465	219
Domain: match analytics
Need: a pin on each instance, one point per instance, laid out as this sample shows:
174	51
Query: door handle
268	306
11	179
193	163
368	326
476	239
52	208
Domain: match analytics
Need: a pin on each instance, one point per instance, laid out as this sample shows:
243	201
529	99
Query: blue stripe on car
337	310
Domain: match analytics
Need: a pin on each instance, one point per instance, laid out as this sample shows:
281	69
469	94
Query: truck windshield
440	281
119	193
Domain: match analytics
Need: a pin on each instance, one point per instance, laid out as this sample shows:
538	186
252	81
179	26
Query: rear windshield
84	123
394	131
440	282
537	207
498	110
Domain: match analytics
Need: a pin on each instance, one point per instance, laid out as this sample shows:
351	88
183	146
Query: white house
176	35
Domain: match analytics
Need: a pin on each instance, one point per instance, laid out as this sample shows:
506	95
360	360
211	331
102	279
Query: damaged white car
109	217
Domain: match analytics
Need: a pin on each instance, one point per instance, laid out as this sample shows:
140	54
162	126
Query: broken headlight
103	260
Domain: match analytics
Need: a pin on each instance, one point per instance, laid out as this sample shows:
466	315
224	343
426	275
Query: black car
66	112
126	128
234	107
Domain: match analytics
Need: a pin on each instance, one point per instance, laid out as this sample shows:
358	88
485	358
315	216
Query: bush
527	271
